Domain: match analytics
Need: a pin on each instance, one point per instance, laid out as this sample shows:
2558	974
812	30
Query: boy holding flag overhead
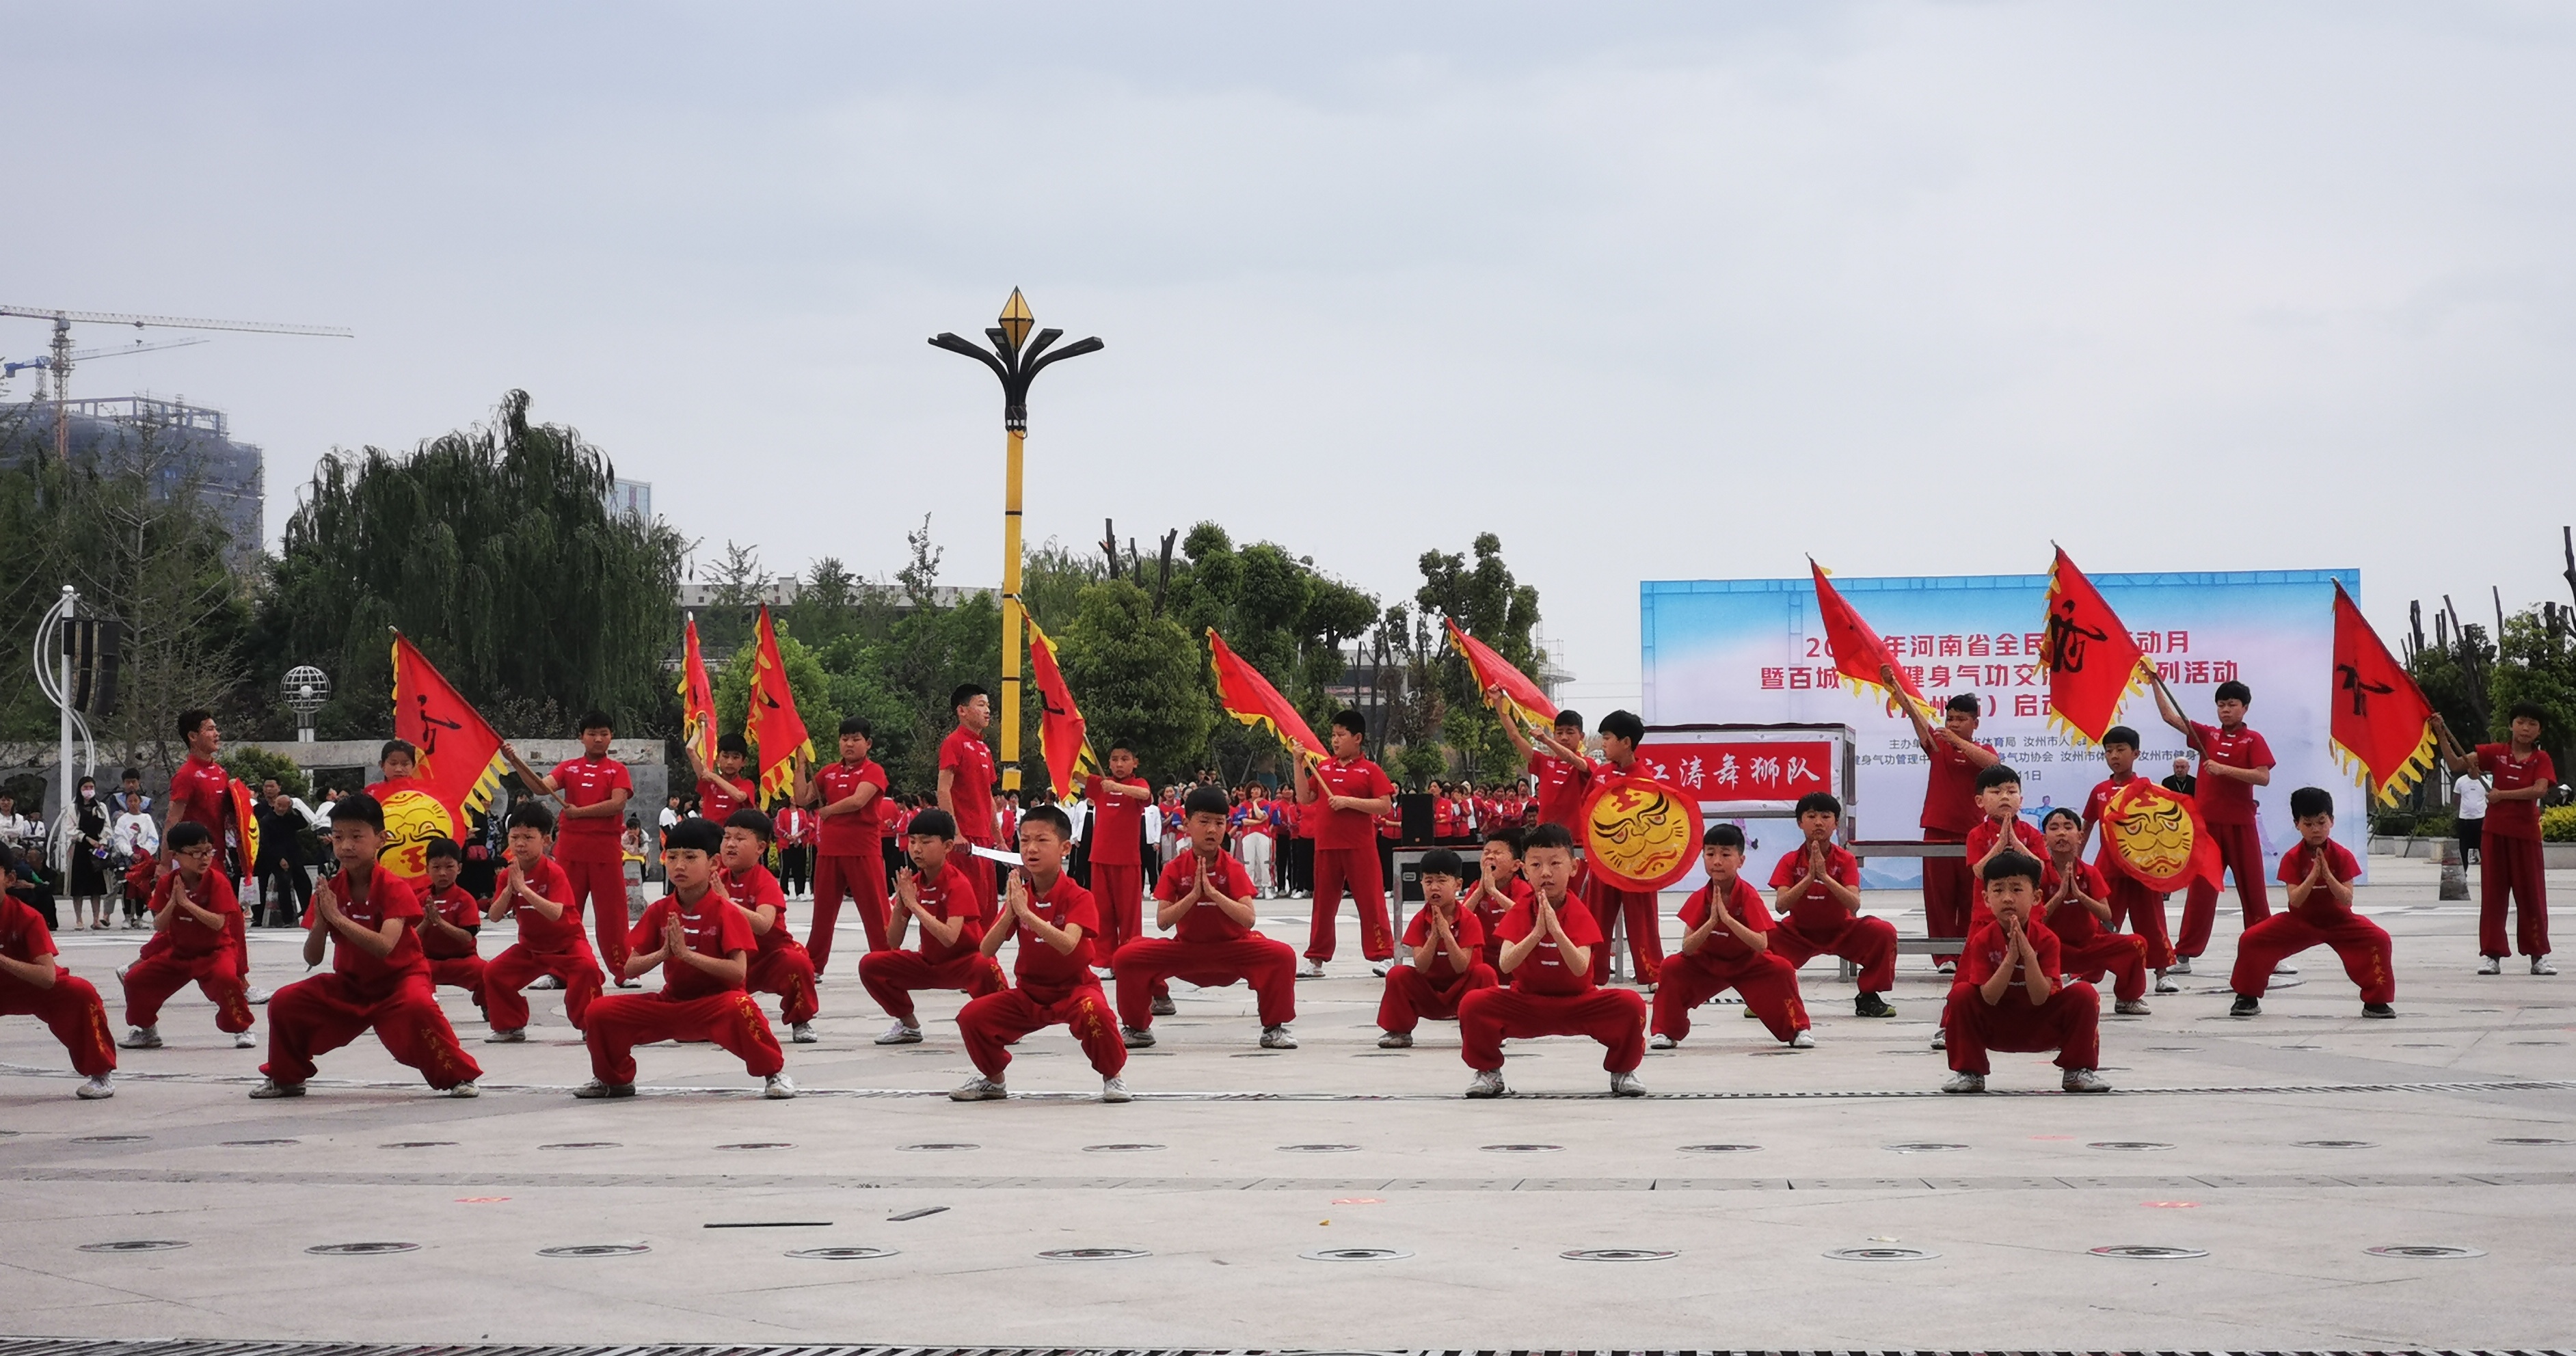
966	786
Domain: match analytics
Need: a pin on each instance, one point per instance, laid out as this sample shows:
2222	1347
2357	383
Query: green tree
1496	609
2537	664
1139	679
806	678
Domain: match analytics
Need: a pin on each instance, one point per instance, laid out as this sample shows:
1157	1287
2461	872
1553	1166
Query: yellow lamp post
1016	359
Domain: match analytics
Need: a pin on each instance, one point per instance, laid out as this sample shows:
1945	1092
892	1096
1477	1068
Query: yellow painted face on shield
1640	832
2154	838
412	818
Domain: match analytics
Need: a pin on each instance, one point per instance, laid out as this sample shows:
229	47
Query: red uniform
1818	925
452	963
1117	864
893	975
779	964
1054	988
545	947
69	1008
2069	1022
1981	840
1208	949
592	852
1489	916
2509	858
1641	909
1434	991
192	951
2141	909
969	763
2227	811
1548	998
1950	893
2087	948
1561	785
201	793
849	858
1767	980
720	796
1346	854
390	994
692	1004
2319	920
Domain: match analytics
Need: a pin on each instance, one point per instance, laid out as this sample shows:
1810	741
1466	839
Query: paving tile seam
201	1347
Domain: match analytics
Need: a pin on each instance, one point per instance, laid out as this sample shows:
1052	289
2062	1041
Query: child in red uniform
2142	909
1818	899
2319	873
2000	829
1547	951
534	888
378	977
195	917
1498	890
1054	918
32	985
934	891
449	921
1118	804
201	793
1346	793
722	789
1448	943
966	787
850	801
2012	994
1620	732
1950	890
2079	910
1205	897
590	854
2233	761
1727	944
778	964
2509	859
1561	767
702	942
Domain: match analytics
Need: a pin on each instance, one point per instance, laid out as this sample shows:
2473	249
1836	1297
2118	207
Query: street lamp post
1016	359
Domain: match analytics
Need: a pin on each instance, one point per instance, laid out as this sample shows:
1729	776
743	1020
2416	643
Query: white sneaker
1277	1038
99	1085
1659	1041
802	1034
2181	966
1965	1082
255	997
2083	1080
2490	965
1379	968
1136	1038
1803	1040
142	1038
977	1090
2540	966
1114	1089
2164	985
1395	1040
270	1087
1941	1038
2131	1007
506	1035
778	1087
546	982
465	1089
2285	968
1313	969
1487	1083
243	1040
1626	1085
899	1034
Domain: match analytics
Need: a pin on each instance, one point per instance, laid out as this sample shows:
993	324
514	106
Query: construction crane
60	365
11	369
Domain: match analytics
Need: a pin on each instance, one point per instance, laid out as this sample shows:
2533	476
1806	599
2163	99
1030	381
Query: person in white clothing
2471	818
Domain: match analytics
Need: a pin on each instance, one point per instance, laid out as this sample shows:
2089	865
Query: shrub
253	765
2558	825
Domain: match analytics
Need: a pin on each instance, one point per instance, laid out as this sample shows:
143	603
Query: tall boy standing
1955	757
1118	803
1346	793
2233	761
2131	901
966	787
2509	856
1621	731
589	851
850	805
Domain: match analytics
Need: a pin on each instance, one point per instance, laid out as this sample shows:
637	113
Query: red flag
2157	837
1062	734
2381	727
1859	655
1520	695
1249	697
2093	665
245	825
458	768
698	699
775	731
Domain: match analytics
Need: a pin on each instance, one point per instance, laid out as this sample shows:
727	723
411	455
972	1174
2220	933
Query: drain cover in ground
111	1139
2332	1144
1355	1255
2148	1252
1121	1148
1523	1148
937	1148
759	1144
2429	1250
134	1245
1881	1254
2525	1139
1093	1254
419	1144
1318	1148
842	1254
1923	1148
1618	1255
581	1144
2140	1144
594	1250
1719	1148
359	1249
257	1143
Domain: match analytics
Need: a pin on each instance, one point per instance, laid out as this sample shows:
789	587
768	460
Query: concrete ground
2284	1147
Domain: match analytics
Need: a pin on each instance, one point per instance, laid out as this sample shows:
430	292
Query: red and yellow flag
1520	695
2381	727
776	733
698	699
1063	736
1249	697
245	825
1859	655
458	768
2093	665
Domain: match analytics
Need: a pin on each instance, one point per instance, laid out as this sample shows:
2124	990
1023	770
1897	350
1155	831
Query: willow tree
495	549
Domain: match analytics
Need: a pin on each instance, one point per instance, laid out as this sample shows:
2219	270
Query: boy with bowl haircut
1547	951
1818	901
32	985
932	890
533	888
1448	948
1343	796
196	919
450	918
2319	873
2000	828
850	817
2012	993
1205	897
701	941
722	789
779	964
2509	857
2233	761
2142	909
1726	944
1054	918
1499	888
2079	912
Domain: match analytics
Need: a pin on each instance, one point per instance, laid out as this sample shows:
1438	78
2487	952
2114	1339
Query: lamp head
1016	319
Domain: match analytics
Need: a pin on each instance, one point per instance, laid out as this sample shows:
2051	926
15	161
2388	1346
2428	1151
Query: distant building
184	442
631	497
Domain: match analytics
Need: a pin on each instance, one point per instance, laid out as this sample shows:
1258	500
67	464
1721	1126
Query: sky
1649	291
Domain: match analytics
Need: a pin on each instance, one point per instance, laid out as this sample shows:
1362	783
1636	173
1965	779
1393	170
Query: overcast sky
1653	292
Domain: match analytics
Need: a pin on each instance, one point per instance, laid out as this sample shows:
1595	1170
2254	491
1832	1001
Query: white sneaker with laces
778	1087
978	1090
2490	965
98	1086
2181	966
1487	1083
1626	1085
1379	968
2540	966
1965	1082
142	1038
465	1089
2131	1007
899	1034
1277	1038
506	1035
1803	1040
2164	985
2083	1080
1395	1040
1313	969
802	1034
243	1040
1114	1089
1659	1041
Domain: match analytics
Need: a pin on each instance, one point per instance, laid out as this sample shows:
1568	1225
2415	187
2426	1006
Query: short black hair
393	746
1548	836
1050	816
1965	703
1569	716
1726	836
1820	802
1506	834
2527	711
857	725
532	814
753	820
191	718
185	834
1443	862
10	867
1206	800
2012	864
693	835
933	823
2000	774
2055	810
1116	744
1353	721
2310	801
358	807
733	743
2120	734
964	693
442	849
596	719
1623	725
132	774
2233	691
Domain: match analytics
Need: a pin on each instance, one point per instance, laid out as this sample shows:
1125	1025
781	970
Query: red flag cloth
1249	697
2157	837
2093	665
698	699
1493	671
2381	725
1859	655
775	731
245	826
1063	735
458	767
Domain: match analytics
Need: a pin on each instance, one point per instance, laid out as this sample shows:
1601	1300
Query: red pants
1358	868
1412	997
2243	852
72	1011
620	1022
1949	892
1768	982
2070	1023
508	973
860	875
2510	868
893	977
1269	967
459	972
150	981
604	885
238	928
2124	957
1869	943
995	1022
789	973
1119	890
319	1015
2362	945
2142	911
1614	1017
980	871
1645	929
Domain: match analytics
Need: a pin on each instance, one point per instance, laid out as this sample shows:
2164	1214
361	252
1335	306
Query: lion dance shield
1639	834
2157	838
412	818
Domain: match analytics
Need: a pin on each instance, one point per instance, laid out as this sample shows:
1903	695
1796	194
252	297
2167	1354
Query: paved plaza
2283	1148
